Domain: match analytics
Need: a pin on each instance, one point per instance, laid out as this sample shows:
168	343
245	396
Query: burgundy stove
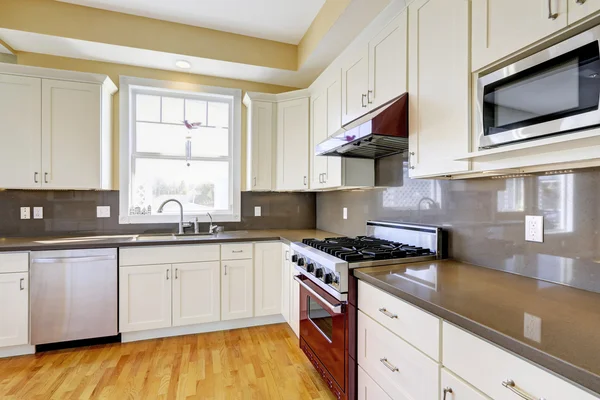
328	291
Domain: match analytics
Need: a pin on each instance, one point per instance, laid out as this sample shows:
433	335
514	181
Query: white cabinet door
368	389
196	293
292	144
261	142
144	297
355	84
236	289
14	309
20	132
334	174
502	27
267	279
438	102
318	131
387	62
578	9
285	282
294	302
454	388
71	135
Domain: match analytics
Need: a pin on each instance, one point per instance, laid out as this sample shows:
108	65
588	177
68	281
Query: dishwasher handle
65	260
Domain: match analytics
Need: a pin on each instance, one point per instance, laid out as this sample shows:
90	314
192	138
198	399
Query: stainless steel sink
134	238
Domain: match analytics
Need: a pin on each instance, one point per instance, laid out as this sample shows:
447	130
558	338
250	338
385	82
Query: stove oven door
324	334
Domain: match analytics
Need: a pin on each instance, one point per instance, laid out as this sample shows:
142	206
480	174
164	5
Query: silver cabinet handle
324	177
388	314
362	101
446	391
22	284
225	266
389	366
305	181
410	156
237	251
287	255
510	385
551	15
176	273
254	181
45	177
35	176
580	2
168	271
369	93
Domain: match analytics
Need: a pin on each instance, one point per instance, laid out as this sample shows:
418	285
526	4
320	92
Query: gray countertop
492	304
94	242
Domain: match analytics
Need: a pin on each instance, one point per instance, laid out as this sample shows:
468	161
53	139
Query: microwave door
558	93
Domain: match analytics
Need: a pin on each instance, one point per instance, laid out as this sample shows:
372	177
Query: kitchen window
179	141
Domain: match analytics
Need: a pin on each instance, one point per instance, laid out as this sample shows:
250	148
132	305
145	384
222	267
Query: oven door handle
335	308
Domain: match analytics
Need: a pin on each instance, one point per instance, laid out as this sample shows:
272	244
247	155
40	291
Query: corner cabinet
439	103
292	144
260	128
57	129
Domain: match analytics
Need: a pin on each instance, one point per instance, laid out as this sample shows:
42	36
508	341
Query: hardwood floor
253	363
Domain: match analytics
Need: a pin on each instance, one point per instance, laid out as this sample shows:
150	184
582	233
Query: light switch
257	211
38	212
345	213
103	211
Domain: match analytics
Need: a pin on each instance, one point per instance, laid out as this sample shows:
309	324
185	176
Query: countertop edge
578	376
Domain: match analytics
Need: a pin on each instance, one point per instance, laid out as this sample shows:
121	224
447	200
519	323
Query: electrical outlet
257	211
38	212
345	213
534	228
103	212
532	327
25	213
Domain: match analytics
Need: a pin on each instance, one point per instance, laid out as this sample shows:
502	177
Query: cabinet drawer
454	388
168	254
486	366
368	389
14	262
402	371
236	251
412	324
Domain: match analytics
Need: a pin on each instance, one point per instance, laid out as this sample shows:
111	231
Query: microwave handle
335	308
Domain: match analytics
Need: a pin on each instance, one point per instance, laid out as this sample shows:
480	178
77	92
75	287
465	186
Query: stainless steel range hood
382	132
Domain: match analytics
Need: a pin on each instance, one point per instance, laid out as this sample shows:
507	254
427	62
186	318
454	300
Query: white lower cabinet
144	297
14	309
267	279
294	301
454	388
237	292
401	370
368	389
286	283
196	293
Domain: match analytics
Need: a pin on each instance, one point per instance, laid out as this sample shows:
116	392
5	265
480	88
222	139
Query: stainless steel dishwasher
73	295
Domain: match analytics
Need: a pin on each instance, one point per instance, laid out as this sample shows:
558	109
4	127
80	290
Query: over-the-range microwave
556	90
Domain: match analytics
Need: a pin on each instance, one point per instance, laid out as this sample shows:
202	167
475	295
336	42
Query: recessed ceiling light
183	64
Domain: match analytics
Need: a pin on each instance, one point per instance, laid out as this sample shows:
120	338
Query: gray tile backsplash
74	212
485	219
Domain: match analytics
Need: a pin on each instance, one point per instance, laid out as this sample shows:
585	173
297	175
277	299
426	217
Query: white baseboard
13	351
201	328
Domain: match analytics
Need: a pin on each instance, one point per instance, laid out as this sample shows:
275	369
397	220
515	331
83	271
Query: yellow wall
115	70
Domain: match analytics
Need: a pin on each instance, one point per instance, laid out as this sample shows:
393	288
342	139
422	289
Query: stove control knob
329	278
295	258
300	262
319	273
310	267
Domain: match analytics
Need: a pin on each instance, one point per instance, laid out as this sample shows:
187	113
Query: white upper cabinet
261	144
267	279
355	84
387	62
292	144
318	133
439	128
196	293
20	132
502	27
579	9
55	133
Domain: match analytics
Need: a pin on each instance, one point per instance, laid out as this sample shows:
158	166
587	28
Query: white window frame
129	85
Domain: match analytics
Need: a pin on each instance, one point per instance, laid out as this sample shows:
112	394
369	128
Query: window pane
218	114
202	187
172	110
195	111
147	108
171	140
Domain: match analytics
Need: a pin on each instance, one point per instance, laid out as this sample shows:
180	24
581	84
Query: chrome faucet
160	210
212	228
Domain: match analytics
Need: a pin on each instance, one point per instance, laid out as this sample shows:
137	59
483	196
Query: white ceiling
280	20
